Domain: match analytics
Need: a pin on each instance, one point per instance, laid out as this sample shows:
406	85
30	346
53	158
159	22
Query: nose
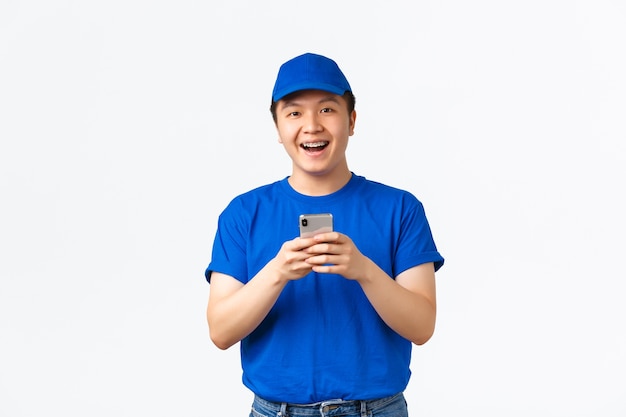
312	123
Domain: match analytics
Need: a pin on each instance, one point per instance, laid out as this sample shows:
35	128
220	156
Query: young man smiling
326	324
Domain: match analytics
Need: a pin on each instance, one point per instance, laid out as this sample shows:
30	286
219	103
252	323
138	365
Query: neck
316	186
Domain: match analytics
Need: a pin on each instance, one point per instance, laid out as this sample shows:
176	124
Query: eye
293	114
326	110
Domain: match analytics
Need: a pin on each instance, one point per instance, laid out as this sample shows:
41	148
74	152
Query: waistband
322	408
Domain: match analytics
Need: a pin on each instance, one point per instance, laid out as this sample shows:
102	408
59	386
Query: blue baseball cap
309	72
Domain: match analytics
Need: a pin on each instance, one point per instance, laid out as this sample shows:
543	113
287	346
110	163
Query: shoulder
244	207
388	193
265	193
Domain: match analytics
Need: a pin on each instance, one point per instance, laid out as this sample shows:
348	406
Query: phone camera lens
305	222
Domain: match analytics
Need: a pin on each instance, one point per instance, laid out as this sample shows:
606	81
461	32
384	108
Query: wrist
275	274
369	272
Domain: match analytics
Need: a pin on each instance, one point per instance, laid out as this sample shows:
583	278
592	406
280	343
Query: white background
127	126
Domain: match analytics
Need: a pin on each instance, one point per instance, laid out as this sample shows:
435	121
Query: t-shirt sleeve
416	244
229	246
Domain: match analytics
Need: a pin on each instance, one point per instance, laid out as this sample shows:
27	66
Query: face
314	127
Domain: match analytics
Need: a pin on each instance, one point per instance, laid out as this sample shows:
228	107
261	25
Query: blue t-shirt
323	339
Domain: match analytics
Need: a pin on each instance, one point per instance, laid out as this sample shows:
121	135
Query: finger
329	268
320	248
327	237
299	243
323	269
320	259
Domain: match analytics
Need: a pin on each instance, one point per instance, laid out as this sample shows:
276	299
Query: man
326	322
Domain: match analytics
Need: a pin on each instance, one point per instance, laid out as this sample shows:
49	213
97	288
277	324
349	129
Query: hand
335	253
290	261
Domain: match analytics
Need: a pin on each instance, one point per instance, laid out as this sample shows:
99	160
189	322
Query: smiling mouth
314	146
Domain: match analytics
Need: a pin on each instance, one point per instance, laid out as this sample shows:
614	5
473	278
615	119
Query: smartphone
312	224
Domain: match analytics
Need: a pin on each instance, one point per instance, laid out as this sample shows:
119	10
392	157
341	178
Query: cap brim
308	86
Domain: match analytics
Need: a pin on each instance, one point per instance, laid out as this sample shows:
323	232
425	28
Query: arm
407	304
234	310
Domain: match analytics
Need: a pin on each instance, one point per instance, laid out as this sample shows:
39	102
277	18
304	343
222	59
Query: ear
280	140
352	122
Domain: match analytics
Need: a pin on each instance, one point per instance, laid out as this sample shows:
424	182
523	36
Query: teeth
315	144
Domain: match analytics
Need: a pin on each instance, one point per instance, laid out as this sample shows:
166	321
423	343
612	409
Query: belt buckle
330	405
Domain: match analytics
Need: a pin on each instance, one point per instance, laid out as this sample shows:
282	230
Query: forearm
233	317
410	313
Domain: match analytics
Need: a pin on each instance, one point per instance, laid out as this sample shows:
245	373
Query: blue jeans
394	406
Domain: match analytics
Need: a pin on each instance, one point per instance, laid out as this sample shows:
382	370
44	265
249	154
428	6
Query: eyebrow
294	102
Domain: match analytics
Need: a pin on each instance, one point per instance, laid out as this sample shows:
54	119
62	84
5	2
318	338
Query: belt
283	409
